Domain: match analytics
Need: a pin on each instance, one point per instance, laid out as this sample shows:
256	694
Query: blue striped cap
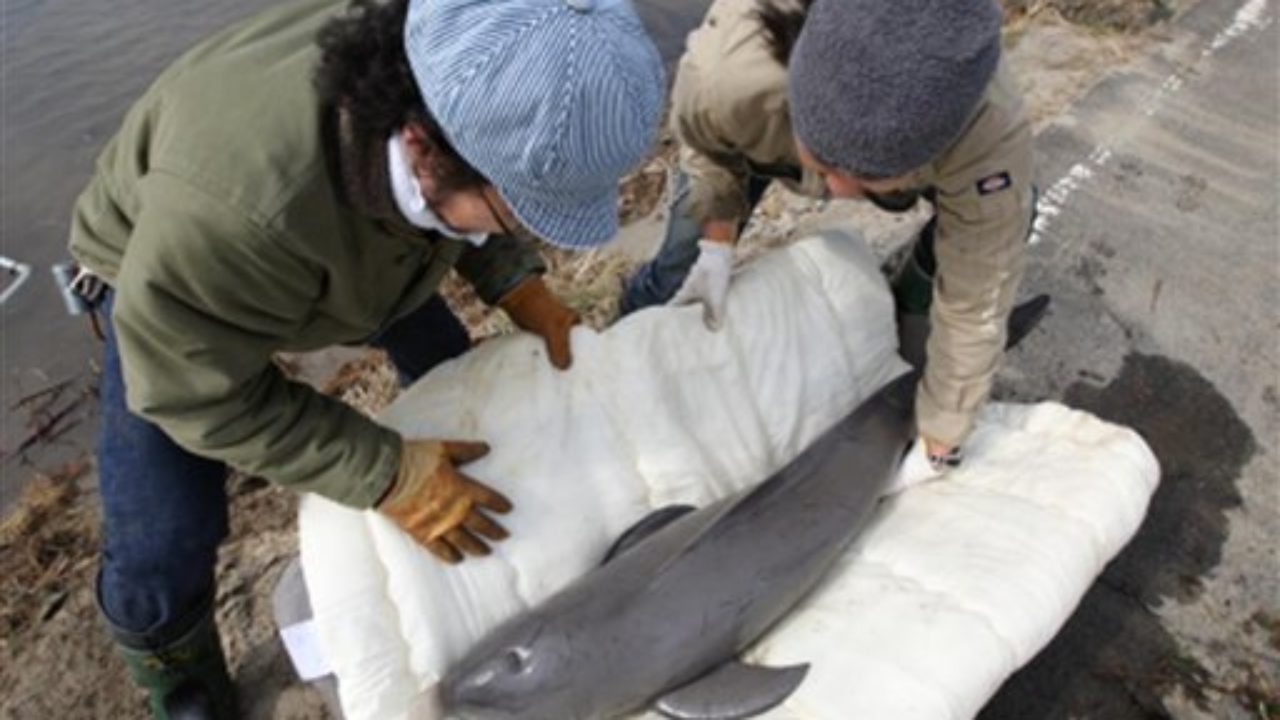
552	100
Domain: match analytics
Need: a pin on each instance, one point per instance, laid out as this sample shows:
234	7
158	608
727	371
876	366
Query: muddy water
70	70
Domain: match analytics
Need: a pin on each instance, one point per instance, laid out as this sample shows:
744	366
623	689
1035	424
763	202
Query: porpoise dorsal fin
732	691
1024	318
648	525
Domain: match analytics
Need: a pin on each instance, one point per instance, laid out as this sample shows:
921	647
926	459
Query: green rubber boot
187	678
913	285
913	296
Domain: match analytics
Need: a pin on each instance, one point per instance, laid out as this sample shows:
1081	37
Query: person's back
730	112
236	120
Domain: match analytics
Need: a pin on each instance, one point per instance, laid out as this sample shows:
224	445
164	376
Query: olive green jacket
730	112
235	216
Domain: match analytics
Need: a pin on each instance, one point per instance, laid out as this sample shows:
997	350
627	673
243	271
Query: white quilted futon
954	586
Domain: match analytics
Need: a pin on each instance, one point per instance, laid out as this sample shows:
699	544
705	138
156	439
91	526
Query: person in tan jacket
891	102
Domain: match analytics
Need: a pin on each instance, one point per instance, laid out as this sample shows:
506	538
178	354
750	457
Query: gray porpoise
663	621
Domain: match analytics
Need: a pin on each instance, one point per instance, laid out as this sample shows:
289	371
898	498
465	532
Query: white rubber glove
918	468
708	282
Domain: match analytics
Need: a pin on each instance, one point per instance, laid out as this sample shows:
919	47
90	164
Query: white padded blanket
954	586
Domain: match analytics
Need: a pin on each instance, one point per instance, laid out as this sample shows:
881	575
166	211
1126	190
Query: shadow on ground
1113	659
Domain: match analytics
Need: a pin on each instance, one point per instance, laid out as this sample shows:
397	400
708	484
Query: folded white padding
955	584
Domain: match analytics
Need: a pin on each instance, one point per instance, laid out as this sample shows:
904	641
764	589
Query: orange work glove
439	506
534	308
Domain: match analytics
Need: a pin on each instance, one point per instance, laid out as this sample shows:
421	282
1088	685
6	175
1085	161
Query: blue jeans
658	280
164	510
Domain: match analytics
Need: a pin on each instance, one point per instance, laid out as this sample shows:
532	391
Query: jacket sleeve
497	266
203	299
729	111
717	175
980	248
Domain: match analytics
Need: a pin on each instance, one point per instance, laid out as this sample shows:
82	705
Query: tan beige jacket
729	109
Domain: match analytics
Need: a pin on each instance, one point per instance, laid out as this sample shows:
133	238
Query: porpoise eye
514	660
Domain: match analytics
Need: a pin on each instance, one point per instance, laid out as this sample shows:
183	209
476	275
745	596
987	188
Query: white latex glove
708	282
917	468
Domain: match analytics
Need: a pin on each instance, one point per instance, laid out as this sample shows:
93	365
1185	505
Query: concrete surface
1159	240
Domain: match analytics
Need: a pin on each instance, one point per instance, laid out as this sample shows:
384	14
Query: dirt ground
55	660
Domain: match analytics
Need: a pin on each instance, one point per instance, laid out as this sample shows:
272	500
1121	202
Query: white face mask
409	200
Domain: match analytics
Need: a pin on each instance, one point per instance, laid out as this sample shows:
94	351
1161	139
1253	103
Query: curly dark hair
364	70
782	23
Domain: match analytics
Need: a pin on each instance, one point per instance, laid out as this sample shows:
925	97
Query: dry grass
46	544
642	189
368	384
1126	16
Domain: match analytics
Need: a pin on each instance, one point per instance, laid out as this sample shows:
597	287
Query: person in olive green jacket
892	102
307	178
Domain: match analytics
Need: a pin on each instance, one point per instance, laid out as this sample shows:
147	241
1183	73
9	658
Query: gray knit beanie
882	87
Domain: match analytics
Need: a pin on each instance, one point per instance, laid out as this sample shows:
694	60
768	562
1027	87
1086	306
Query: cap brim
570	225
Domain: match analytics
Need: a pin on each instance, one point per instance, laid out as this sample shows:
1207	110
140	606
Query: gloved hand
924	461
708	282
534	308
439	506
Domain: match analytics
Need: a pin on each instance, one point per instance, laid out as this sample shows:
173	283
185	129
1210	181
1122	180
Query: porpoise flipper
647	525
732	691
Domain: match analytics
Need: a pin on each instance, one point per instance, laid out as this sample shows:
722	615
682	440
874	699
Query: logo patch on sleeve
994	183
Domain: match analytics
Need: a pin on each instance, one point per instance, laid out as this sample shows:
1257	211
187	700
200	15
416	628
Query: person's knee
161	528
148	587
640	291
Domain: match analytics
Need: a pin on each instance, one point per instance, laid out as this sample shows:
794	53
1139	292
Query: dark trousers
164	510
658	280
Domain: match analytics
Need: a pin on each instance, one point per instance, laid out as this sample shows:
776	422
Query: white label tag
303	645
